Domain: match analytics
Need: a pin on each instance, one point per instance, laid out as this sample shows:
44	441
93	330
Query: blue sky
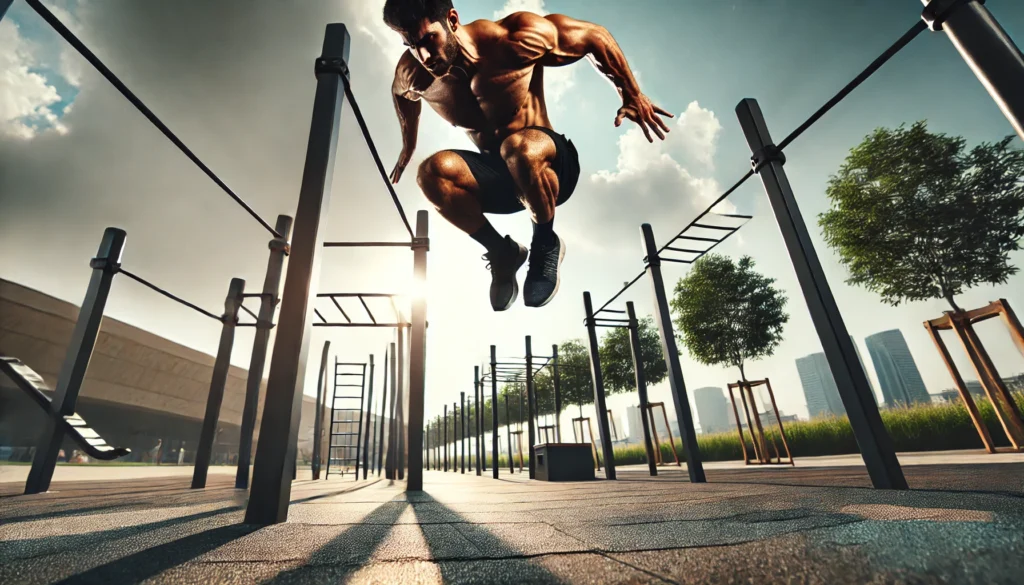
244	107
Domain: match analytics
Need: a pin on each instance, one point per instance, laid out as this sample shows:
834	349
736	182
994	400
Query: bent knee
440	174
530	146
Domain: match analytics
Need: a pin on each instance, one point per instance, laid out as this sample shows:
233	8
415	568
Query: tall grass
925	427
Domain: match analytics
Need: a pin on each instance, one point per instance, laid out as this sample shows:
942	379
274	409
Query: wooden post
961	388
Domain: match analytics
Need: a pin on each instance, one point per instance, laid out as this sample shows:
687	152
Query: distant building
819	387
898	375
712	409
636	430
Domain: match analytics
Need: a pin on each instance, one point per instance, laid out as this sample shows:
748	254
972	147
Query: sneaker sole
523	255
558	278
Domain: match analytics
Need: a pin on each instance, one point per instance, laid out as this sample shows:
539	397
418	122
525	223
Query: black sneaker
542	278
503	267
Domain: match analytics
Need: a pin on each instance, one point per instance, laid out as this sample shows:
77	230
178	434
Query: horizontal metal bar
734	215
611	326
611	320
351	295
714	227
695	238
609	311
367	244
362	324
688	250
146	283
677	260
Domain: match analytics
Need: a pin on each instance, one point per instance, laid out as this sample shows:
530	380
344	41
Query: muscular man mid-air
488	78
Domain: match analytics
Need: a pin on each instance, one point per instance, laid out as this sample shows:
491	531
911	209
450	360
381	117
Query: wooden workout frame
548	432
757	436
962	323
578	439
519	447
654	433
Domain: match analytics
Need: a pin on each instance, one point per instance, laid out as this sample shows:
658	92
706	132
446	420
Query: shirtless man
488	78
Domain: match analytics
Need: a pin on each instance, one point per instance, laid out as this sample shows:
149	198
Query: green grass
928	427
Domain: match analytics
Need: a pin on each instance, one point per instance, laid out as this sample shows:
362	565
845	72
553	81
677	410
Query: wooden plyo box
564	462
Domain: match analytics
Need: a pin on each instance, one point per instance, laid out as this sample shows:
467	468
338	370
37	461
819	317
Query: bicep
552	40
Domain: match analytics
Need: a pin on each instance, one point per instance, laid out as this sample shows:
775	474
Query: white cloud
535	6
665	183
24	94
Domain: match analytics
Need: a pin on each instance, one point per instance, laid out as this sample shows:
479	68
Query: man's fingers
662	112
657	129
618	118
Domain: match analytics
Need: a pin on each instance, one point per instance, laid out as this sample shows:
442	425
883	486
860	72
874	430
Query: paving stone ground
959	524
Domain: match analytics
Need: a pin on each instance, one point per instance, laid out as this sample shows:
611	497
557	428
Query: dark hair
404	14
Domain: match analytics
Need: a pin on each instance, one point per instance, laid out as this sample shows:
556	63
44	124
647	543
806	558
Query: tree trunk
952	303
743	375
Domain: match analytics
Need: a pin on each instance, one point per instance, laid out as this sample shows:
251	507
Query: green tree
727	313
574	374
914	216
617	358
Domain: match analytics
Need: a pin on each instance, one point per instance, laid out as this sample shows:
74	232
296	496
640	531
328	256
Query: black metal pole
276	447
462	437
76	360
872	439
204	451
663	317
445	443
508	433
417	355
641	386
531	407
383	412
598	381
389	457
261	341
478	396
318	422
401	423
494	412
556	380
369	415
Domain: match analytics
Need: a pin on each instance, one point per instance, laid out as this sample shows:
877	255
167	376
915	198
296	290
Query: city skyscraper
897	372
819	387
712	409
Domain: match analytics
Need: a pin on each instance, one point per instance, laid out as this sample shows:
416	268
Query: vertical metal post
598	380
332	422
531	407
641	385
478	411
4	5
462	437
402	434
445	441
663	317
318	423
389	459
556	379
275	450
987	49
383	415
369	416
873	440
261	340
204	451
494	412
418	352
426	445
508	434
76	361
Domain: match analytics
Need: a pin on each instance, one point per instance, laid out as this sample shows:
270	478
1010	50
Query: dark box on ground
564	461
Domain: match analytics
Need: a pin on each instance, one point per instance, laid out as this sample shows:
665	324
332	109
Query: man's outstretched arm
556	40
407	107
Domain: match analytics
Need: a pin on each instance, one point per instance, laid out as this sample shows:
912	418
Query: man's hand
403	161
640	110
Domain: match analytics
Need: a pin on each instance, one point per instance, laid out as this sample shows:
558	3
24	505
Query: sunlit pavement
960	524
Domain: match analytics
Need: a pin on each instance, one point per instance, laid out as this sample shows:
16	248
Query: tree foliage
727	313
574	373
617	358
914	216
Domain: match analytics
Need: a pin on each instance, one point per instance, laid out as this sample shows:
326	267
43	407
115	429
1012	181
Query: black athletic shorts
498	188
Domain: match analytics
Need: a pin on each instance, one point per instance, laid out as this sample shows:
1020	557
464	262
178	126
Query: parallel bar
694	238
872	438
714	227
276	447
368	312
220	377
706	211
688	250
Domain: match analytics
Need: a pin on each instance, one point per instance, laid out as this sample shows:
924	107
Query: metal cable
903	41
167	294
63	31
376	155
